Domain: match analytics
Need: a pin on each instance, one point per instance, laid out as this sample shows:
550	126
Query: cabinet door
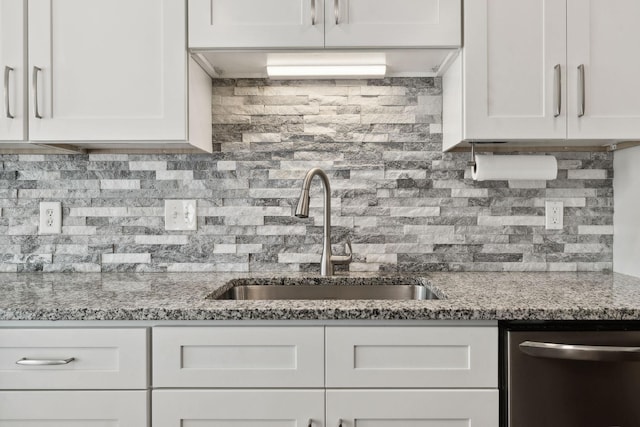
392	23
74	408
603	36
412	408
238	408
255	23
511	51
110	70
12	63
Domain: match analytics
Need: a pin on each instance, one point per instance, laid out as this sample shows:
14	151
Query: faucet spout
302	211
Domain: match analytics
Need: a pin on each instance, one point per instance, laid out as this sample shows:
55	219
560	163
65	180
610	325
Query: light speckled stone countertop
181	296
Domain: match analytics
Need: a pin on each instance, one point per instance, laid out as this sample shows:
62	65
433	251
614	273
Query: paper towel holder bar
472	163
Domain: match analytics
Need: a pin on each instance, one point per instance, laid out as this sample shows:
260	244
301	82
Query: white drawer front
238	357
102	358
74	408
238	408
412	356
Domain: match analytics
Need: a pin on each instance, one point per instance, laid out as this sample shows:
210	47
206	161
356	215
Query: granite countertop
181	296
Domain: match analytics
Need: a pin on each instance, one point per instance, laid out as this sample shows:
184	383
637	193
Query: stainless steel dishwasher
570	374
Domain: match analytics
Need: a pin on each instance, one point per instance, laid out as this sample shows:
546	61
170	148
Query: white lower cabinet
238	408
412	408
74	377
74	408
334	376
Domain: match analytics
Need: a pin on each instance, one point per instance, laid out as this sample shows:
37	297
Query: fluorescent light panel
338	71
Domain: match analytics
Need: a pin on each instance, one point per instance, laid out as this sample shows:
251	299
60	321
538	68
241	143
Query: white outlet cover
180	215
50	218
554	215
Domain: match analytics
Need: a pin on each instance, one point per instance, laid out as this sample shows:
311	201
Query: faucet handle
343	259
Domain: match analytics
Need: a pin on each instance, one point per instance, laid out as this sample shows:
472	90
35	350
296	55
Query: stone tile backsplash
404	204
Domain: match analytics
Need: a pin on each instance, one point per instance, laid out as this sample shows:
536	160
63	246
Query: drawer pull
44	362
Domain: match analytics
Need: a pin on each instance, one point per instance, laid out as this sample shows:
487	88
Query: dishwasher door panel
553	392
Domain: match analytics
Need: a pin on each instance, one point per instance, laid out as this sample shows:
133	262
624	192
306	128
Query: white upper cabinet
397	23
323	23
12	67
107	70
602	39
512	69
528	67
255	23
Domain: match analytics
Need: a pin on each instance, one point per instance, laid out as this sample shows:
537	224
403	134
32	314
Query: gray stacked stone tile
404	204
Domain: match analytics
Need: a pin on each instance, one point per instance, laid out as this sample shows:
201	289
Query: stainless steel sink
327	289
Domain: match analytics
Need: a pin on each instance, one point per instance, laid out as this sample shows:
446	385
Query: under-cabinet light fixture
334	71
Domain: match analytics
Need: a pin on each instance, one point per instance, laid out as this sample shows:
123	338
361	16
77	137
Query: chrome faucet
302	211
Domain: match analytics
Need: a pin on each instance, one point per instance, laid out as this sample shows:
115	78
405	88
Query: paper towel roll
515	167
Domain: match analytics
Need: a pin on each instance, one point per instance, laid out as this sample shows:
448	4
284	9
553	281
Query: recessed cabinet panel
412	357
412	408
514	69
603	95
238	408
74	409
397	23
107	70
73	358
238	357
12	71
255	23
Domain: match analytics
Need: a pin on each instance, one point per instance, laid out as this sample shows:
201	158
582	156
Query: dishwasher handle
594	353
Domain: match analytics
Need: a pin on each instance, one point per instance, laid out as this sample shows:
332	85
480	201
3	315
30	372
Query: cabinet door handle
557	90
7	104
313	12
581	100
34	87
336	10
44	362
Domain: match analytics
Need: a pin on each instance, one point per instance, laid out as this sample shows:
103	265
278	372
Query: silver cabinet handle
336	10
34	87
44	362
7	105
594	353
581	94
313	12
557	90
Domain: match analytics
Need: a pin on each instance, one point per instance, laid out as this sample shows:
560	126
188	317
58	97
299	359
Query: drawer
74	408
73	358
412	356
238	357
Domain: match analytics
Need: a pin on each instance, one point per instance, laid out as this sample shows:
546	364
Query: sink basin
328	289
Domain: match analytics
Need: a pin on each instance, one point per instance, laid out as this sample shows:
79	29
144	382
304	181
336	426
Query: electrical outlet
554	215
50	218
180	215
